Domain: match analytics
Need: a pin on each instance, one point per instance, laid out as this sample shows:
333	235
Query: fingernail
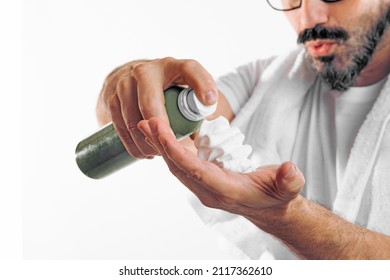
211	97
292	170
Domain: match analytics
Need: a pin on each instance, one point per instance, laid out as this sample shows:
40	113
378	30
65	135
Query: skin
270	197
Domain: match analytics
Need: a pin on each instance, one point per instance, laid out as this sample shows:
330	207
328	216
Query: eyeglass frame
300	4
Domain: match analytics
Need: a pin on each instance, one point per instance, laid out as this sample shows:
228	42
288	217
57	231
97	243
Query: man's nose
313	12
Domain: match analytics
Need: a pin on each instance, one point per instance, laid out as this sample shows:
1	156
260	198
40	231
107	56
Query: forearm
314	232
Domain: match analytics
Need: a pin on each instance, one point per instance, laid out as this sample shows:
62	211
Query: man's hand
245	194
134	92
270	199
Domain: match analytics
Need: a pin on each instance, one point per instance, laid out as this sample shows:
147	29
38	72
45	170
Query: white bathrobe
283	109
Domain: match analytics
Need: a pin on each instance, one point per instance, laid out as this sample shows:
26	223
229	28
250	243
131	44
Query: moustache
321	32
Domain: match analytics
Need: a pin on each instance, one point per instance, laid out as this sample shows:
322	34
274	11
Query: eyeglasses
288	5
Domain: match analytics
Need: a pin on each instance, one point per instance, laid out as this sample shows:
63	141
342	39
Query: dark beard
343	79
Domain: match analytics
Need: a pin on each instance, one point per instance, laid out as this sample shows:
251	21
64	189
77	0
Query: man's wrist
268	219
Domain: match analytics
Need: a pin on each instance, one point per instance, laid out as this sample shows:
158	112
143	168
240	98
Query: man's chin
338	80
335	78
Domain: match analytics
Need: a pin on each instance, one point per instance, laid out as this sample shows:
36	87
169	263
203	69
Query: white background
68	49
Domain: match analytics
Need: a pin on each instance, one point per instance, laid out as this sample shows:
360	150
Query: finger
107	92
127	94
192	73
150	86
289	180
145	129
205	173
121	129
207	197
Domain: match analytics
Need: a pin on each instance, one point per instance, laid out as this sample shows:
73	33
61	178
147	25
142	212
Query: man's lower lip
320	50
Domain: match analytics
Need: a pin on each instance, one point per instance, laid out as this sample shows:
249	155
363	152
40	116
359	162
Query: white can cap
191	107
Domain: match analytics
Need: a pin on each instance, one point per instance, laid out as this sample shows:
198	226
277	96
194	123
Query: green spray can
103	153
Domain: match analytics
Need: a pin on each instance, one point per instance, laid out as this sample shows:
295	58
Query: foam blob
222	145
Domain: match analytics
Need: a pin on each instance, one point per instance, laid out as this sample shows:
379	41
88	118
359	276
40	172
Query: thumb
289	180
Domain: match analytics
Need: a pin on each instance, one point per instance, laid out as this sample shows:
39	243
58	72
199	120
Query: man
324	106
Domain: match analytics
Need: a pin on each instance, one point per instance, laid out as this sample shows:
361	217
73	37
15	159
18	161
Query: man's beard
343	79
